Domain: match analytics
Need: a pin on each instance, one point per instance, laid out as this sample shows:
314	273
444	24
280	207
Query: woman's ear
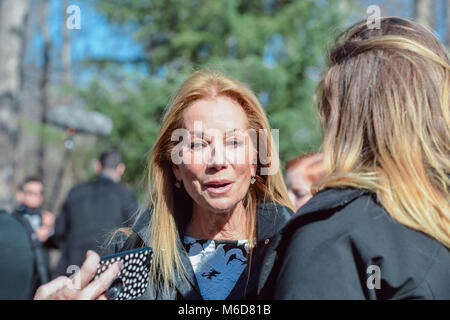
98	167
253	169
254	166
176	172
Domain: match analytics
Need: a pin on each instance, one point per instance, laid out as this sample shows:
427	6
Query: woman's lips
219	186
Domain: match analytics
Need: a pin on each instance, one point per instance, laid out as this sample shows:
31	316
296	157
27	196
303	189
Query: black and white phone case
133	278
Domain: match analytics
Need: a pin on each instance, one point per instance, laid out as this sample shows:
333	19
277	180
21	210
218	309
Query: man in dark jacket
38	223
16	260
92	211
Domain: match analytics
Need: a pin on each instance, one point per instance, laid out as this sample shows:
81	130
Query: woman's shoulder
349	228
271	218
356	213
274	209
346	209
130	238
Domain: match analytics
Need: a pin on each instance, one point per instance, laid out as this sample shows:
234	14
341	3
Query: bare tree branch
44	84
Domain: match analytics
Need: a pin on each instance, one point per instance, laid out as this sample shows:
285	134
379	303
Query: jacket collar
327	200
104	177
188	289
271	218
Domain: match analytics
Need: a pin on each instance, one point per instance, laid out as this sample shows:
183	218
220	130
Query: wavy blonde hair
384	107
163	195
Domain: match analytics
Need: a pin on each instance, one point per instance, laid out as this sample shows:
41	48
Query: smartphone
133	278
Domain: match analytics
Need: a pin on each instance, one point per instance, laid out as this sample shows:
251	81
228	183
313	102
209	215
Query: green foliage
276	47
136	110
49	133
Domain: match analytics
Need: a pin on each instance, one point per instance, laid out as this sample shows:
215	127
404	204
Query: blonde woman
217	199
378	226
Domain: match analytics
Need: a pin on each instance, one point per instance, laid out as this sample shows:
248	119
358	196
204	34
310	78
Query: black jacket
343	245
16	260
90	213
41	258
270	219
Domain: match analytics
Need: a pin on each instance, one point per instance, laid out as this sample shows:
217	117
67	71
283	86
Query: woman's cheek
242	155
236	156
192	176
196	157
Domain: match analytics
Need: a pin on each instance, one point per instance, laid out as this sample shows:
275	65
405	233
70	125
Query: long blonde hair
384	107
165	224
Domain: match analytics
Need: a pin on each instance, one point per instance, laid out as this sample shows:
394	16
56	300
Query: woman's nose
217	158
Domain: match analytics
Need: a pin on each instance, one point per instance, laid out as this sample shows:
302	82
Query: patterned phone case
132	280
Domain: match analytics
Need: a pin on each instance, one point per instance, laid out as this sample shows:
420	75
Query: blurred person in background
92	210
300	173
17	260
38	223
29	200
378	225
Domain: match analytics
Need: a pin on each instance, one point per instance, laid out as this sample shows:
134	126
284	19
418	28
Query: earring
178	184
252	180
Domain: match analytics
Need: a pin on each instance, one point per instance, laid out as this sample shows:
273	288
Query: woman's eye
197	145
300	194
234	143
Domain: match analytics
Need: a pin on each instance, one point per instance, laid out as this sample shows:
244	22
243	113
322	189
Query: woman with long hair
378	226
216	198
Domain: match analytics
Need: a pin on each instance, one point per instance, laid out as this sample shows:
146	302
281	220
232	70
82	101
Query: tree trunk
447	24
65	49
424	12
13	17
44	86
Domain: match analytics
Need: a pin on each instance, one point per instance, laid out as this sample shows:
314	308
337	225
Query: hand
46	228
80	287
48	219
43	233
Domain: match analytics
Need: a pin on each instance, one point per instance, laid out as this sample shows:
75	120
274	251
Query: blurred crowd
90	212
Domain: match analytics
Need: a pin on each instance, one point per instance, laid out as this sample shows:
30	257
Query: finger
99	286
87	271
48	290
102	297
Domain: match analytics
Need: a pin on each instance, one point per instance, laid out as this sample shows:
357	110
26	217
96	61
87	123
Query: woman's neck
231	225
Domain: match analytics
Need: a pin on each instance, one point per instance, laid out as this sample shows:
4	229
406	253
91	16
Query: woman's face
219	158
298	186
